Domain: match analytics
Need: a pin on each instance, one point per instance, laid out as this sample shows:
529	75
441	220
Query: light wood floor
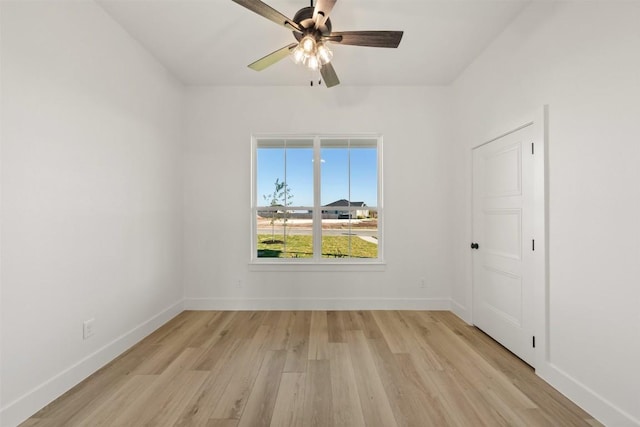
347	368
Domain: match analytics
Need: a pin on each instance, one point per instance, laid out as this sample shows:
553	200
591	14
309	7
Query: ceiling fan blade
322	11
366	38
329	75
270	13
272	58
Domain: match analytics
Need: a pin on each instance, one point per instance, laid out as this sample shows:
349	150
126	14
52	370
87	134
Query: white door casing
503	228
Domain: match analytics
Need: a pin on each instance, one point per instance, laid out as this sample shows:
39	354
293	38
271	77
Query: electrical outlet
423	283
239	284
87	328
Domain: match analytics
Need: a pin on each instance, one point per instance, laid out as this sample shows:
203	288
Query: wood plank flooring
296	368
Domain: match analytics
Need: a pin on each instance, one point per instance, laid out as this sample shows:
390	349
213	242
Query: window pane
364	176
269	169
349	172
300	176
284	172
364	234
334	175
355	235
284	234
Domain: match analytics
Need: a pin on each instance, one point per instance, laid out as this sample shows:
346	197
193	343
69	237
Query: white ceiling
211	42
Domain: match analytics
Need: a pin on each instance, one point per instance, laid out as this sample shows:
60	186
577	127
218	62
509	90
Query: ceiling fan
311	27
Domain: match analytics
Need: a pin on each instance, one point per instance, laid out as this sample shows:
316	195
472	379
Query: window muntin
304	199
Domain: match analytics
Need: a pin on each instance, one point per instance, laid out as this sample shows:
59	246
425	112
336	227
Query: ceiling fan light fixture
311	52
308	44
298	55
312	62
324	54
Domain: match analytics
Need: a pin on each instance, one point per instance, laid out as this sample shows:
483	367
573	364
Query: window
316	199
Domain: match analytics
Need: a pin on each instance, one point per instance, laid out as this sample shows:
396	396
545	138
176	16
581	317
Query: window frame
317	259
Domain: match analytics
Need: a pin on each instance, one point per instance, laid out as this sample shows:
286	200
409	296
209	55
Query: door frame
538	120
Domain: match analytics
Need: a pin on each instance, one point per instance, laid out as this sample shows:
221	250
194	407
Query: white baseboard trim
599	407
461	311
22	408
317	304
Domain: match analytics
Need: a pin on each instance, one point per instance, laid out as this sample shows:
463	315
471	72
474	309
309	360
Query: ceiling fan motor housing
304	18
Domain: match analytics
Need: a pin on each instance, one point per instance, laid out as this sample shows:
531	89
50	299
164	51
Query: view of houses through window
316	198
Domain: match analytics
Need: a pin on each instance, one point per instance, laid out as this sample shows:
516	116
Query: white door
502	241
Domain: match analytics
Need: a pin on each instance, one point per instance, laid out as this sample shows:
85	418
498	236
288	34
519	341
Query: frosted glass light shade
298	55
308	44
324	54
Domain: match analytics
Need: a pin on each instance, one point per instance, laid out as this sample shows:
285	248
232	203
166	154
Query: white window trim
317	263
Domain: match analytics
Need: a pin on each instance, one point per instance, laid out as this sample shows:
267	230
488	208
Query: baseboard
317	304
599	407
460	311
24	407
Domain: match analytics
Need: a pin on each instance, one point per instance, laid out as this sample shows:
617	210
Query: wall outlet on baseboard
423	283
87	328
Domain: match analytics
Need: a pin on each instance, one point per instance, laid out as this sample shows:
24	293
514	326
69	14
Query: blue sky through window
334	176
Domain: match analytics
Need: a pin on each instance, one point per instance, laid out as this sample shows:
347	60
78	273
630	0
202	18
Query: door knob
475	246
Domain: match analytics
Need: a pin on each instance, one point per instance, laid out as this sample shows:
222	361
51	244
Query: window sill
317	266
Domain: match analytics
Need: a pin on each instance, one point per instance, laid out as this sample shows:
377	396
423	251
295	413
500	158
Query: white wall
582	59
91	197
415	123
